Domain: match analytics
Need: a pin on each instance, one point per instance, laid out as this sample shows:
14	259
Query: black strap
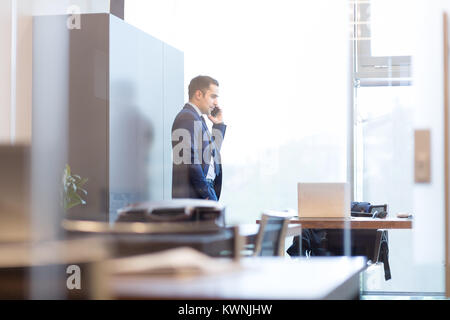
384	257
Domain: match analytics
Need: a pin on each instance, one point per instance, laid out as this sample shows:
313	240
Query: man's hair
201	83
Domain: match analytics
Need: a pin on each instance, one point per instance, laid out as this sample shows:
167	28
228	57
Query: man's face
208	100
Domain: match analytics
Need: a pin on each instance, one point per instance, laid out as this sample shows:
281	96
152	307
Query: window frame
372	70
368	71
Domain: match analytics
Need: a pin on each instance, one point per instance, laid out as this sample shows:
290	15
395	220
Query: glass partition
36	93
307	98
282	129
398	89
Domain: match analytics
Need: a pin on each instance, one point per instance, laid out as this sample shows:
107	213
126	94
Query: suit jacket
192	146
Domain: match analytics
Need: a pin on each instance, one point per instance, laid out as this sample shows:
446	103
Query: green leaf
67	170
82	182
71	205
71	188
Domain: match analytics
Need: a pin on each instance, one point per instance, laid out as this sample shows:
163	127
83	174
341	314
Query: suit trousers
210	184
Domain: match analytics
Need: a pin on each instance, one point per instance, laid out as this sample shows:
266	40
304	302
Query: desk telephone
365	209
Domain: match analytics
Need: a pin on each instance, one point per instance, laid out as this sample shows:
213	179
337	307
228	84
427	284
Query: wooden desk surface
259	278
353	223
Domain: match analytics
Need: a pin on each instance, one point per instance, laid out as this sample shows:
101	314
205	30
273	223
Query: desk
259	278
140	238
352	223
356	223
211	244
42	265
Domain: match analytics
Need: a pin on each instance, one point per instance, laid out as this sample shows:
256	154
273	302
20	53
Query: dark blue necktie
216	165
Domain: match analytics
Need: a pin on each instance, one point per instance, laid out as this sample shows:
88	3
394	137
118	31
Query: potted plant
73	190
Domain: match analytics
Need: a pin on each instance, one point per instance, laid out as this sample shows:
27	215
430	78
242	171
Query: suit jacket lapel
198	118
205	128
190	108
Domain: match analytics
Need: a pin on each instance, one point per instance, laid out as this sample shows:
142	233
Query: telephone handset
215	111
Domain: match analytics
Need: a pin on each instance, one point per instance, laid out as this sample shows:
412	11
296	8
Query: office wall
173	96
15	70
88	112
50	102
16	59
146	90
5	71
54	7
124	90
14	194
429	227
136	127
23	69
429	108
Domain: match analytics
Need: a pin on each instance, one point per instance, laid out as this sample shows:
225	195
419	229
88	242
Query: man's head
203	92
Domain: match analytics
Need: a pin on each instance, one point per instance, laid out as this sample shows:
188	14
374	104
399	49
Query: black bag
360	207
330	242
314	243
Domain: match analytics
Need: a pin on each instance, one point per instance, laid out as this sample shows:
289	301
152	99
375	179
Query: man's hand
218	118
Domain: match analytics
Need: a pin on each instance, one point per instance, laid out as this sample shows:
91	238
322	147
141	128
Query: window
374	29
383	43
377	41
272	60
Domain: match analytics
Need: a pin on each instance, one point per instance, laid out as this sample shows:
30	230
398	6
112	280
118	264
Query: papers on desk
179	261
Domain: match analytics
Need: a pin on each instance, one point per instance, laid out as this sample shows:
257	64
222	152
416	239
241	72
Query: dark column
117	8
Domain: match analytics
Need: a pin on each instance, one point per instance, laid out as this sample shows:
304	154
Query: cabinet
120	89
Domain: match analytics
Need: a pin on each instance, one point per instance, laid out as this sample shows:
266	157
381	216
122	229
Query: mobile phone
215	111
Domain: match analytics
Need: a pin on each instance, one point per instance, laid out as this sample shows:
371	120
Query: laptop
323	200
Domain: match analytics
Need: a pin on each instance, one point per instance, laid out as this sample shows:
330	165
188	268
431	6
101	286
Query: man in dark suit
197	168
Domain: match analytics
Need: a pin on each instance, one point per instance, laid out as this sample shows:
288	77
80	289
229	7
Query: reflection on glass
385	150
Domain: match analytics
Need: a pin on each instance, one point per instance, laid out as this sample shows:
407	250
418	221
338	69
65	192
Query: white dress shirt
211	174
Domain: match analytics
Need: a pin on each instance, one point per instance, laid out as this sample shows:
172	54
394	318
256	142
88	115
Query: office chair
233	247
271	236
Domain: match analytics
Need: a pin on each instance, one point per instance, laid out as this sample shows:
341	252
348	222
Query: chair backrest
271	236
238	243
